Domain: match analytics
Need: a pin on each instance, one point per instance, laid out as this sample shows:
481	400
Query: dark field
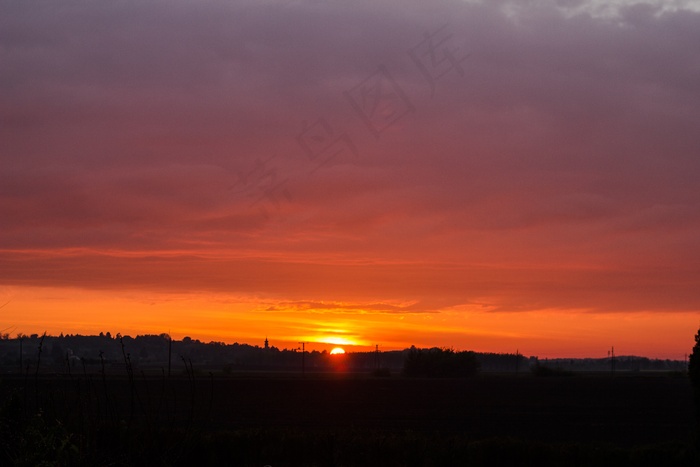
643	419
625	410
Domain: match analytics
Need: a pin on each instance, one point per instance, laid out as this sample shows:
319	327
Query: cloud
334	307
153	145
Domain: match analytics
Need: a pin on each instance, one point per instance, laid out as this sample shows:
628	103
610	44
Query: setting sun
337	351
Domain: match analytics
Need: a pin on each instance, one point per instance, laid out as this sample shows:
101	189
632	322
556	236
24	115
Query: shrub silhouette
440	363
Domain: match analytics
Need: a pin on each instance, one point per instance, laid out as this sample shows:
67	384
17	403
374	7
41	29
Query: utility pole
376	358
303	363
170	352
612	360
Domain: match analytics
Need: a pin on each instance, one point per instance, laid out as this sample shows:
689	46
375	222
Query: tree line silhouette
155	352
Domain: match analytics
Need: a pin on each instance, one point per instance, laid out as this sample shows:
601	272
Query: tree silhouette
694	363
440	363
694	373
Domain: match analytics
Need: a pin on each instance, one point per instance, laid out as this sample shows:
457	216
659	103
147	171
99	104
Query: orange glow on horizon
215	317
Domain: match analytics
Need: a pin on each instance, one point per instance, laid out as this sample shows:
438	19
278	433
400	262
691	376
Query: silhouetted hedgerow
440	363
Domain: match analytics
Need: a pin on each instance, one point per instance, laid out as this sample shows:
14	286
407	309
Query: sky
491	176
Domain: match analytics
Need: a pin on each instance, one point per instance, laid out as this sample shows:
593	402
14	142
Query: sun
337	351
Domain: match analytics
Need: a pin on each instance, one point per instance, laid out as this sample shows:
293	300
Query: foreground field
323	420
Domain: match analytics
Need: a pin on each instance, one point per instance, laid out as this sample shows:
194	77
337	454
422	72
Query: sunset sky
490	176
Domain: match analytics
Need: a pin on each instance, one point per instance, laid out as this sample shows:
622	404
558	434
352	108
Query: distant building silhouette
267	343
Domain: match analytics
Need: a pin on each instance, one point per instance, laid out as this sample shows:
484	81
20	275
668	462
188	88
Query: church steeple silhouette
267	344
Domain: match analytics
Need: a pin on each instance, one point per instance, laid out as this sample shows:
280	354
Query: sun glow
335	340
337	351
